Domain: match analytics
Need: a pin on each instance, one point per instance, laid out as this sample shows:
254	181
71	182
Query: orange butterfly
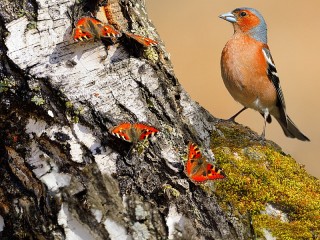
88	28
133	132
105	14
147	42
198	169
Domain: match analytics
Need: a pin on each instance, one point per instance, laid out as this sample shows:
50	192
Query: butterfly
198	169
88	28
147	42
133	132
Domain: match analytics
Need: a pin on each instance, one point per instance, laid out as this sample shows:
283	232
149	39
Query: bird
249	73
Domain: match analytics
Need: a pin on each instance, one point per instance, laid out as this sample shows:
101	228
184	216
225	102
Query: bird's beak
228	17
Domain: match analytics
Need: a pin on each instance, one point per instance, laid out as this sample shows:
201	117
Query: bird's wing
273	76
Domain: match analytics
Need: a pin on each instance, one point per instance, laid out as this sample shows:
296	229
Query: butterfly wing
213	172
88	28
82	31
122	131
106	30
144	131
101	30
193	159
147	42
198	169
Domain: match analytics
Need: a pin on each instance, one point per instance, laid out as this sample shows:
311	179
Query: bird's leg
265	116
234	116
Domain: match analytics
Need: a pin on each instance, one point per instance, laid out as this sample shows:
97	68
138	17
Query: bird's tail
291	130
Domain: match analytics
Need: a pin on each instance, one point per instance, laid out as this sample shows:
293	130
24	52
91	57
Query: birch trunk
63	176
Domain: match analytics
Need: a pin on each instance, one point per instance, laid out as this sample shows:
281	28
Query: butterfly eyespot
242	14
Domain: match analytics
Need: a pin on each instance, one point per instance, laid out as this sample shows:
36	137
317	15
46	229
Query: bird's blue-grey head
250	20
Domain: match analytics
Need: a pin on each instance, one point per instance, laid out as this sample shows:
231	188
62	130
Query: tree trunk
63	175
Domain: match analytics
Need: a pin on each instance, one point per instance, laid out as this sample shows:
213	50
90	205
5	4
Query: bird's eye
242	14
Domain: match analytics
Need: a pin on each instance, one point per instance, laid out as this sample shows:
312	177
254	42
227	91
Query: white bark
88	185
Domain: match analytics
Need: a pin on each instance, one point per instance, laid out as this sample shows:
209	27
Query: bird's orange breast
243	69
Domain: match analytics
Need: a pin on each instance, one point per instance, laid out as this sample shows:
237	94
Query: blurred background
195	36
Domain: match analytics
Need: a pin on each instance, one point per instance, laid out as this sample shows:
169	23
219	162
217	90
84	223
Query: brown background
194	36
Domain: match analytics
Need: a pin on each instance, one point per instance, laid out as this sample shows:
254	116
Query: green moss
32	25
259	173
170	191
6	84
73	112
69	104
151	54
38	100
140	146
75	119
283	230
21	13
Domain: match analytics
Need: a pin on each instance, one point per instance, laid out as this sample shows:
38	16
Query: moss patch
259	173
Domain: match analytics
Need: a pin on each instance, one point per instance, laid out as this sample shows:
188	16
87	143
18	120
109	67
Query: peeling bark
63	175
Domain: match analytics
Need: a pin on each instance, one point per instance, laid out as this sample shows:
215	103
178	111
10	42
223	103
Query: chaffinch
249	73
